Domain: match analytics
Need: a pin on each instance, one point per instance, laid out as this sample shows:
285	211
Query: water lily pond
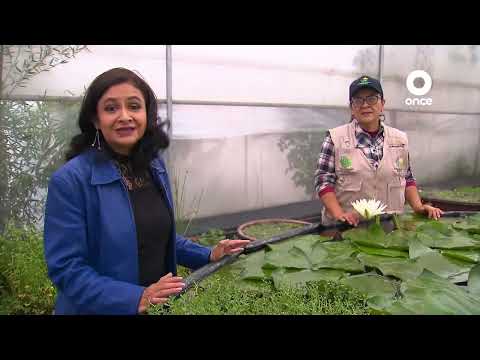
468	194
422	267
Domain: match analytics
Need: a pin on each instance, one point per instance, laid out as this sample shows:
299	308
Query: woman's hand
430	211
159	292
353	218
227	247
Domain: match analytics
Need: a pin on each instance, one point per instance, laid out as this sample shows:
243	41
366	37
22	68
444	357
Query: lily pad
372	285
447	268
336	255
292	258
470	224
433	295
403	269
427	259
252	266
383	252
399	239
456	240
348	264
442	266
374	237
417	249
282	277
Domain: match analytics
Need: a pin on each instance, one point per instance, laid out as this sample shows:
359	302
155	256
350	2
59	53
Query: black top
153	222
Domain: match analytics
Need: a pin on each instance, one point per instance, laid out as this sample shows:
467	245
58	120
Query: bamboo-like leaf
472	256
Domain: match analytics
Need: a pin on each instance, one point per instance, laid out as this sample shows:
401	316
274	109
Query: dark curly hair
147	147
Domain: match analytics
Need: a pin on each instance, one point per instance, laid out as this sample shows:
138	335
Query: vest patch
345	162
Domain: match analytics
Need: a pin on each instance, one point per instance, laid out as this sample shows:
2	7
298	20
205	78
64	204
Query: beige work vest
358	179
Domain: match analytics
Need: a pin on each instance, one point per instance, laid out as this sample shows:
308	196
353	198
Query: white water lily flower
369	208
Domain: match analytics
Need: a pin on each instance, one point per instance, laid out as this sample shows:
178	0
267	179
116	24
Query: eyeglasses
359	101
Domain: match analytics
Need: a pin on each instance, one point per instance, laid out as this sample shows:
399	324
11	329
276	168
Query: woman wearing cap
366	159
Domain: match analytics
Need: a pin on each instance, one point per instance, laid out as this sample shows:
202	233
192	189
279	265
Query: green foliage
431	294
26	288
286	278
420	246
223	295
474	281
183	271
372	284
22	62
33	134
375	237
184	212
211	237
37	137
310	252
302	150
470	194
400	268
472	256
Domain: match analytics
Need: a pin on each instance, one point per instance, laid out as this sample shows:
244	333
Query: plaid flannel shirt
372	147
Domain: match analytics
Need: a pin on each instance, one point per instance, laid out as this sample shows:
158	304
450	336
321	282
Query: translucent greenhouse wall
72	78
298	74
248	121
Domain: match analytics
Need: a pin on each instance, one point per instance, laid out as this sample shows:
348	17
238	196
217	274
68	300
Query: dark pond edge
451	205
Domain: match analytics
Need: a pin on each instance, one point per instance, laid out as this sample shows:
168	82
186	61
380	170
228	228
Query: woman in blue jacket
110	240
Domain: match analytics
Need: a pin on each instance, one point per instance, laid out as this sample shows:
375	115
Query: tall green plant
185	212
37	136
302	150
32	137
22	62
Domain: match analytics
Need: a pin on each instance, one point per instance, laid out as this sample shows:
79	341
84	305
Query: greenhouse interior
246	125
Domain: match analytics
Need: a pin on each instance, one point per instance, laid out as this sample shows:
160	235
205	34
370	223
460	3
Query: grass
223	294
24	285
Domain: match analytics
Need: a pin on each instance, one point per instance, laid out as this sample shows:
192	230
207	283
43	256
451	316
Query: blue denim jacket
91	242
